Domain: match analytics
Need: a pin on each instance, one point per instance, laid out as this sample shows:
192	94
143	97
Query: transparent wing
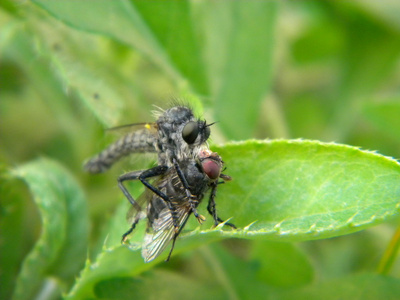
131	127
162	231
141	200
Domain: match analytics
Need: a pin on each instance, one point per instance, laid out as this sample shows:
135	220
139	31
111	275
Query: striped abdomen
136	142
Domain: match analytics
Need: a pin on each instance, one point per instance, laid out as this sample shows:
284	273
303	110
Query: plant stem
390	254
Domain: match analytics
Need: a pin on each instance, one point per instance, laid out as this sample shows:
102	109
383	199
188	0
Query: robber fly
186	170
175	135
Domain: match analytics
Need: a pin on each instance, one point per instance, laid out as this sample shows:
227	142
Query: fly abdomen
136	142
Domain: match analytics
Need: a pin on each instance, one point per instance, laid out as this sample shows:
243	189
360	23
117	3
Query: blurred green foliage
316	70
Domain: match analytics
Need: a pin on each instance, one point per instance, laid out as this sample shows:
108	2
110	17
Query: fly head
181	135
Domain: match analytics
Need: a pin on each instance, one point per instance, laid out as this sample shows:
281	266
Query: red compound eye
211	168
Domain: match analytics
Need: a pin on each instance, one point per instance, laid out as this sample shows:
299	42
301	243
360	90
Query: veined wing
162	230
141	138
133	214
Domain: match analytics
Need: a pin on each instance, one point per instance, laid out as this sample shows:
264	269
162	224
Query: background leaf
384	115
239	43
59	251
133	23
282	264
365	286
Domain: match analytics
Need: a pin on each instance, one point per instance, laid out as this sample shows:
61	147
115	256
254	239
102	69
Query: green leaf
12	221
167	40
385	11
281	190
385	115
282	264
122	260
116	19
159	284
366	69
368	59
225	276
61	249
238	50
173	25
237	276
361	286
98	88
301	190
114	262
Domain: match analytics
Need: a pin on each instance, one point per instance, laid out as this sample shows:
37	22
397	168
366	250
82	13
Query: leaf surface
301	190
61	248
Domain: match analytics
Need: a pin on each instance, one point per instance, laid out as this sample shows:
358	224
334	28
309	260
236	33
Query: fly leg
142	176
174	239
211	206
124	236
130	176
193	200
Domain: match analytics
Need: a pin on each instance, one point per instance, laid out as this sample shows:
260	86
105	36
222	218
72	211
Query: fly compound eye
190	132
211	168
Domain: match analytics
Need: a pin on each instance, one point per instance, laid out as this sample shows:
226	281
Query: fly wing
162	231
142	139
134	215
